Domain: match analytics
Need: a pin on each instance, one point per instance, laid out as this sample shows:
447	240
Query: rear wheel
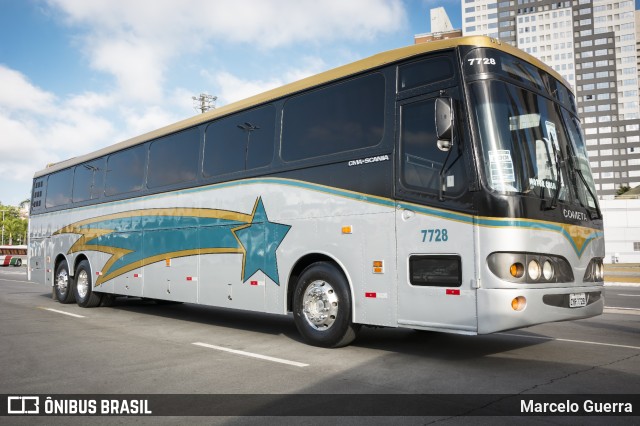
85	296
63	286
322	307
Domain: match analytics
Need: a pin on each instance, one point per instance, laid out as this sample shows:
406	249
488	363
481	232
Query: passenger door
435	244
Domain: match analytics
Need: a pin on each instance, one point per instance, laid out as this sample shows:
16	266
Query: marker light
534	270
547	270
517	270
518	303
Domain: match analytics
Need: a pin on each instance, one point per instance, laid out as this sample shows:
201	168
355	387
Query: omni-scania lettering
588	406
369	160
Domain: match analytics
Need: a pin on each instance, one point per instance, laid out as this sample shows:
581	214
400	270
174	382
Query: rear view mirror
444	123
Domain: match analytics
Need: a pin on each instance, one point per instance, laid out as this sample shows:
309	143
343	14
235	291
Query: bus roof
372	62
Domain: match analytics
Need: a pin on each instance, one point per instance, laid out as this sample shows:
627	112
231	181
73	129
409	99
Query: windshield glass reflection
531	145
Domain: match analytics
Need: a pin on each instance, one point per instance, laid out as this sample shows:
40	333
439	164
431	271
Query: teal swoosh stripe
449	215
386	202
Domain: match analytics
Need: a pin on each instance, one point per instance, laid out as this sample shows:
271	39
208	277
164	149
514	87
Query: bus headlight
595	271
547	270
534	270
540	268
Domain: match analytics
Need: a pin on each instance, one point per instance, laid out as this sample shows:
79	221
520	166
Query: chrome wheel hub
62	281
83	284
320	305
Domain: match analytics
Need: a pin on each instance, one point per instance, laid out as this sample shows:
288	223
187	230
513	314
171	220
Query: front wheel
85	296
322	307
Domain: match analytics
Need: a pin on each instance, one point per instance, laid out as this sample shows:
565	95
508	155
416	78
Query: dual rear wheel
77	289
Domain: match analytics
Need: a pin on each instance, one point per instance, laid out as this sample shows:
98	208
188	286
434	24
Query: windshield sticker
551	132
451	182
524	121
501	168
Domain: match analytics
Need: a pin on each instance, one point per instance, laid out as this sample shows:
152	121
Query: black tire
63	284
18	262
322	307
83	288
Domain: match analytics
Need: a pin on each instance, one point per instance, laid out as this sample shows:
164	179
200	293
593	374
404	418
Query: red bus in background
12	255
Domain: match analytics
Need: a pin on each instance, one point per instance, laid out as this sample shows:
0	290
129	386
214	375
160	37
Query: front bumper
542	305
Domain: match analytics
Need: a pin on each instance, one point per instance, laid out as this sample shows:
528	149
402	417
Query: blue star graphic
260	240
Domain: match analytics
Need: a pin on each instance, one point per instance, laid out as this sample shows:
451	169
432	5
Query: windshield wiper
558	182
578	170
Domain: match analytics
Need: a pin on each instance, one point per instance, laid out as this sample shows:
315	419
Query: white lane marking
629	295
586	342
64	313
17	281
252	355
622	311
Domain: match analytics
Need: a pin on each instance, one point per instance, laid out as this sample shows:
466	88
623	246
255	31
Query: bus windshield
531	145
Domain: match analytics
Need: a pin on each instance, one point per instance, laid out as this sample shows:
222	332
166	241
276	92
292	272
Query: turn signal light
518	303
517	270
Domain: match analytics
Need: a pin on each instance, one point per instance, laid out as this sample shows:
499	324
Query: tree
622	189
13	225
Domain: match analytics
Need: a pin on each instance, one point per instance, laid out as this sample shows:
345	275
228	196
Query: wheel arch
79	258
60	257
307	260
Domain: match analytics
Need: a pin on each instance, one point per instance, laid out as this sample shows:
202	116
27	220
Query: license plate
577	300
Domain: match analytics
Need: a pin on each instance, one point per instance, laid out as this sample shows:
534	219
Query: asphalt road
138	347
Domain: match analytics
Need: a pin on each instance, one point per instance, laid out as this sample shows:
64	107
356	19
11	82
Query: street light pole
3	226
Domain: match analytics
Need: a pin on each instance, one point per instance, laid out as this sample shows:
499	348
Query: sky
79	75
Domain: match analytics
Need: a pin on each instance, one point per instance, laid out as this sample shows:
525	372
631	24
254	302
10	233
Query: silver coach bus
442	186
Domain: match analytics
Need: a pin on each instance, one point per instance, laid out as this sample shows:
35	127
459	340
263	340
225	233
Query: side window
338	118
174	159
88	180
425	72
422	160
59	188
125	171
240	142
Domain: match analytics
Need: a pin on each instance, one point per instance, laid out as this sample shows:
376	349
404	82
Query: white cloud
137	64
37	128
135	41
140	44
20	95
146	119
231	88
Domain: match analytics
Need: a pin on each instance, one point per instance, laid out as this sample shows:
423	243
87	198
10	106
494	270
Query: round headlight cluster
599	271
534	270
547	270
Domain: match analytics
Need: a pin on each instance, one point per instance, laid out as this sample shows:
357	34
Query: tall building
592	43
441	27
